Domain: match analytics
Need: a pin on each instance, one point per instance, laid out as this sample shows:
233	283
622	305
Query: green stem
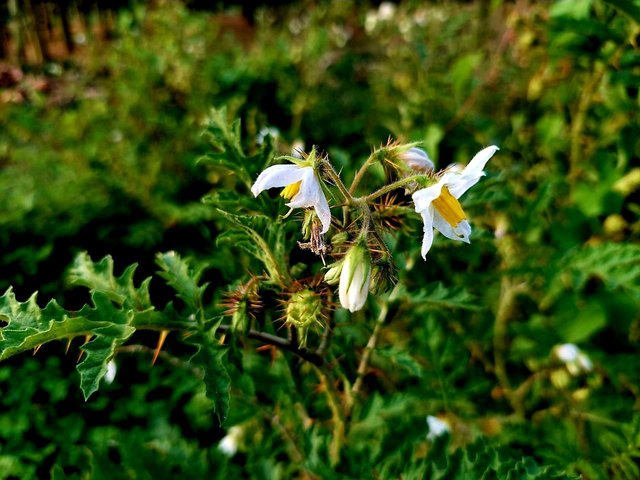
392	186
337	181
360	173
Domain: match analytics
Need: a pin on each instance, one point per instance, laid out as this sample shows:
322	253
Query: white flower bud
417	159
355	278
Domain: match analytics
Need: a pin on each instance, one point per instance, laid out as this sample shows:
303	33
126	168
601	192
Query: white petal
345	282
459	183
460	233
480	159
310	190
359	288
422	198
567	352
324	212
277	176
585	362
427	239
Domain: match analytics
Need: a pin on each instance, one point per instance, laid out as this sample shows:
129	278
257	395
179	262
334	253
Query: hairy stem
361	172
392	186
337	181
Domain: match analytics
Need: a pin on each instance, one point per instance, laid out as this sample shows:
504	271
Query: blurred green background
102	109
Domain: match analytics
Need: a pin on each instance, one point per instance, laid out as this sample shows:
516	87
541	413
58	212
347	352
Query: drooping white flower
301	186
230	442
574	359
438	204
355	278
437	427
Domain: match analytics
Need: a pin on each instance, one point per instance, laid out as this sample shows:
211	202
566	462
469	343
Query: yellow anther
291	190
449	207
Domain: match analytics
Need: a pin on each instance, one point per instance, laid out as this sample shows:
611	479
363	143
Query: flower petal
427	239
310	190
324	212
422	198
459	183
460	233
278	176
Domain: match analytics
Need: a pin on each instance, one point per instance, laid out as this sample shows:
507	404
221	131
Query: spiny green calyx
304	310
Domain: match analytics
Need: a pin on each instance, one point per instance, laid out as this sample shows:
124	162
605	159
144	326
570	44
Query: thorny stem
392	186
174	361
282	343
337	181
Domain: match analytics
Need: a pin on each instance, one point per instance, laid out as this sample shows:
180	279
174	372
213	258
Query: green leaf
182	278
246	236
99	277
436	296
102	348
29	327
617	265
216	378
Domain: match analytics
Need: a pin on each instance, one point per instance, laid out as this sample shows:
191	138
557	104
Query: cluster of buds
362	262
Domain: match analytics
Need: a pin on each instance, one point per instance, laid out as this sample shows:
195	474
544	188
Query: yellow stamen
291	190
449	207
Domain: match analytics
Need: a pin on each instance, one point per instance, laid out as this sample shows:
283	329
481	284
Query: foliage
110	159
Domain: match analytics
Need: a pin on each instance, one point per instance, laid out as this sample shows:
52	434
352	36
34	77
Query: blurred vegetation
98	153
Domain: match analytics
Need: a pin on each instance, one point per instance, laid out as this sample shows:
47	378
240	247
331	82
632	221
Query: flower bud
355	277
332	277
417	159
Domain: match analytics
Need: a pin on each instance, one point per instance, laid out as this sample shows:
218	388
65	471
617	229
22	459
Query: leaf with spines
99	277
246	236
227	152
28	326
102	348
183	279
216	378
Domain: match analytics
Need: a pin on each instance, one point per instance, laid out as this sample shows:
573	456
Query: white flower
574	359
355	278
301	186
438	204
437	427
417	159
229	443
